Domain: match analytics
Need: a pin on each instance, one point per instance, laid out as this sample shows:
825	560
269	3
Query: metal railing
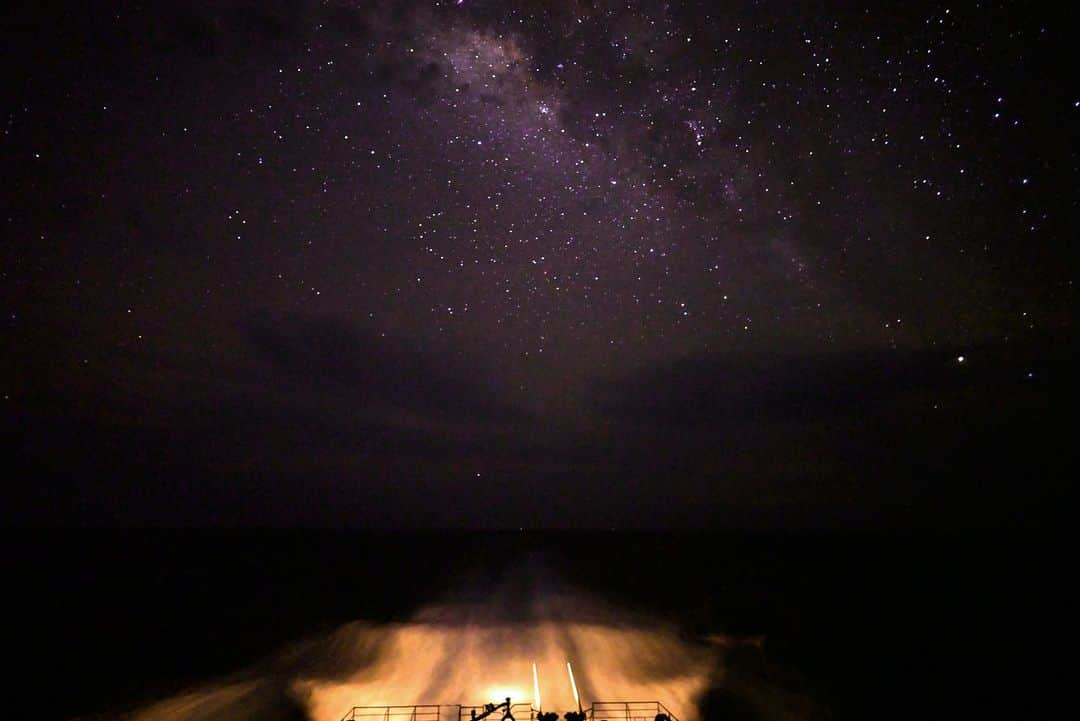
426	712
520	711
628	711
597	711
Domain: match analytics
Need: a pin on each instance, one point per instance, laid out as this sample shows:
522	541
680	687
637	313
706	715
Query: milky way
302	261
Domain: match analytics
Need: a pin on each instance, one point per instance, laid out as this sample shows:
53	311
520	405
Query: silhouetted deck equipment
597	711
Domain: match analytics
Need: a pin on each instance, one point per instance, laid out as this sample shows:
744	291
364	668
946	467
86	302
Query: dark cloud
810	436
715	389
369	369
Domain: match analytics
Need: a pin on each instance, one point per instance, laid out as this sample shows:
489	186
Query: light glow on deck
463	655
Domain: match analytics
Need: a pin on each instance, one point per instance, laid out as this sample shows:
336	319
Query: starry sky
538	264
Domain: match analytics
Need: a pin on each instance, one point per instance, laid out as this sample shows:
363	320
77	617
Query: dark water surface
868	625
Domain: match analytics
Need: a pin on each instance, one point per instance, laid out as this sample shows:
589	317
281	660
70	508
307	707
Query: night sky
538	264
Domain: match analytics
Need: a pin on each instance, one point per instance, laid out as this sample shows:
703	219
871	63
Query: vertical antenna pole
536	689
573	685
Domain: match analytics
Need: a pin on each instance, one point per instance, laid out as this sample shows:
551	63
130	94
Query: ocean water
201	625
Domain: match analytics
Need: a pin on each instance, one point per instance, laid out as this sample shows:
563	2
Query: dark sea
813	625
